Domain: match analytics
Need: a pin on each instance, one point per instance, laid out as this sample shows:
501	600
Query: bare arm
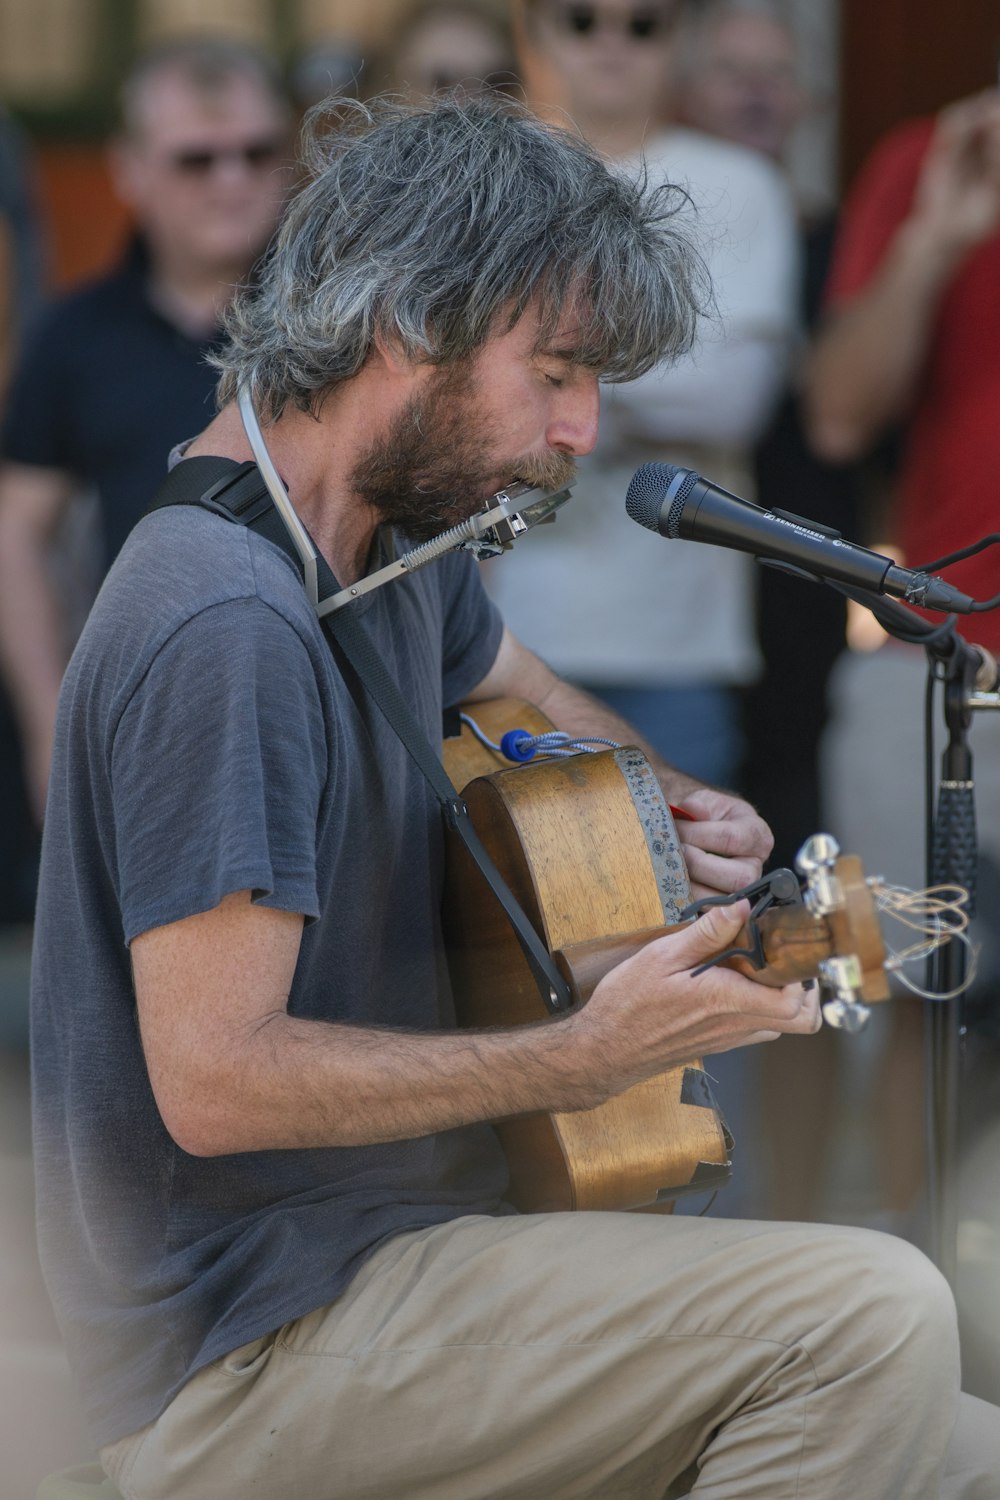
725	844
870	354
32	629
231	1071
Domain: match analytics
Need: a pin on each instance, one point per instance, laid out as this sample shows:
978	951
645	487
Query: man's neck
192	298
615	137
315	466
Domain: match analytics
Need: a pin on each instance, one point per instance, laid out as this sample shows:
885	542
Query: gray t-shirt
207	743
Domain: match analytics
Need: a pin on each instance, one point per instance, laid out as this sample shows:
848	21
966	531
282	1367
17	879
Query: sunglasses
201	161
642	25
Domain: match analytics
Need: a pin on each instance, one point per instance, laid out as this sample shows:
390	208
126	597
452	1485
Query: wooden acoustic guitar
589	848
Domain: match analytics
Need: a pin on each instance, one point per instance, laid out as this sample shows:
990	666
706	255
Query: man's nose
573	427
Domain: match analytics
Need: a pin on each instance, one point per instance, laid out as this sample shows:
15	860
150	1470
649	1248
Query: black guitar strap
238	493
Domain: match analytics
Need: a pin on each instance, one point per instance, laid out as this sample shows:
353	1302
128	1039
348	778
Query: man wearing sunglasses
116	372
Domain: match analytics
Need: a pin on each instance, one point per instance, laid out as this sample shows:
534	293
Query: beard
437	464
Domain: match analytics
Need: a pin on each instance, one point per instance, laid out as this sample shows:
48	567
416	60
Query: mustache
549	471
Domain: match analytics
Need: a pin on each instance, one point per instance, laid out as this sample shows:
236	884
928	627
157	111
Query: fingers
714	874
804	1014
718	858
966	143
726	826
715	930
754	1039
652	1012
958	121
794	1011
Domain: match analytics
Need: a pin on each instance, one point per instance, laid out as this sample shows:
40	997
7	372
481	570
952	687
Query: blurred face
457	50
612	56
747	88
205	174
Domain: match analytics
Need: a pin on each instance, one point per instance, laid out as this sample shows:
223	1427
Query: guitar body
588	846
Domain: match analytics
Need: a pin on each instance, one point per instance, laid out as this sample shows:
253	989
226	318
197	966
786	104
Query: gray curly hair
433	226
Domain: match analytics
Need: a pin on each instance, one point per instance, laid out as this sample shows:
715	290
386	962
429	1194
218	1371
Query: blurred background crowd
841	173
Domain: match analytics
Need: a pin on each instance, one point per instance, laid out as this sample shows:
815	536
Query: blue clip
516	745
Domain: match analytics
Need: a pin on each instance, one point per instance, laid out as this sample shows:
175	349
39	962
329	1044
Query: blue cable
518	746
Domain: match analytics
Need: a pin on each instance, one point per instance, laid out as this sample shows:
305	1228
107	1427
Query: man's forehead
572	348
174	103
540	330
570	337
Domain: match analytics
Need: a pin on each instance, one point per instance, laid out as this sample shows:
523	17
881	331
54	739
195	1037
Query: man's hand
725	842
650	1013
232	1071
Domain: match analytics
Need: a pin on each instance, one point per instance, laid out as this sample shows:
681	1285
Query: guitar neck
794	942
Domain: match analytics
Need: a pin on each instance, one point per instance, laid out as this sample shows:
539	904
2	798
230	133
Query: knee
901	1272
904	1301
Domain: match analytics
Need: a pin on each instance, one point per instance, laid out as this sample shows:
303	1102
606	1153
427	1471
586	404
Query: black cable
954	557
979	605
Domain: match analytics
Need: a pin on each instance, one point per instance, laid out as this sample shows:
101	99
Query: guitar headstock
835	889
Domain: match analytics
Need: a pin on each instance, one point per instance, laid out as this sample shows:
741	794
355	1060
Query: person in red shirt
911	341
912	335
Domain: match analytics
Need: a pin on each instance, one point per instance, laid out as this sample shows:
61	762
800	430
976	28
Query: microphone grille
647	491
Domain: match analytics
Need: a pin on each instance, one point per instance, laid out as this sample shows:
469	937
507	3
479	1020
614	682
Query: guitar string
939	913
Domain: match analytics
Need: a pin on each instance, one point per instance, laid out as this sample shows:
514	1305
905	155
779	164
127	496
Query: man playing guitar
272	1207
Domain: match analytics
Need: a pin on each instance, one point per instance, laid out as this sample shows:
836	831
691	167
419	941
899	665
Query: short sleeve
876	206
34	423
472	629
218	768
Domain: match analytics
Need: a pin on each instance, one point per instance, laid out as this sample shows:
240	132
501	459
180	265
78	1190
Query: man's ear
402	370
389	350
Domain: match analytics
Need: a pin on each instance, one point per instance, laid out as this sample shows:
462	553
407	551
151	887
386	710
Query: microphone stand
951	859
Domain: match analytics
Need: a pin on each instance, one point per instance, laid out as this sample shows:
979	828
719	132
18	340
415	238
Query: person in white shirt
662	630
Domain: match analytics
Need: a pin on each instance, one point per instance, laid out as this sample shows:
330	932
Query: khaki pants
564	1356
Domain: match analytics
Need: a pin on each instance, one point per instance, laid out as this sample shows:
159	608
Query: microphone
679	503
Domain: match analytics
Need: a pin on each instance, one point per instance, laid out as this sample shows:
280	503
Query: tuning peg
845	1010
817	863
817	853
845	1015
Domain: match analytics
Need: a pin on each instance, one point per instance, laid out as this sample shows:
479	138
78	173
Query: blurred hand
958	194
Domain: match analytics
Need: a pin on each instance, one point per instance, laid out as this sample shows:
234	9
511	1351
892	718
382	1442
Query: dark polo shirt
104	389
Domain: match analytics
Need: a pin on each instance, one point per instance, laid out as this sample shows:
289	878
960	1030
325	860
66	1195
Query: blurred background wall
868	66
